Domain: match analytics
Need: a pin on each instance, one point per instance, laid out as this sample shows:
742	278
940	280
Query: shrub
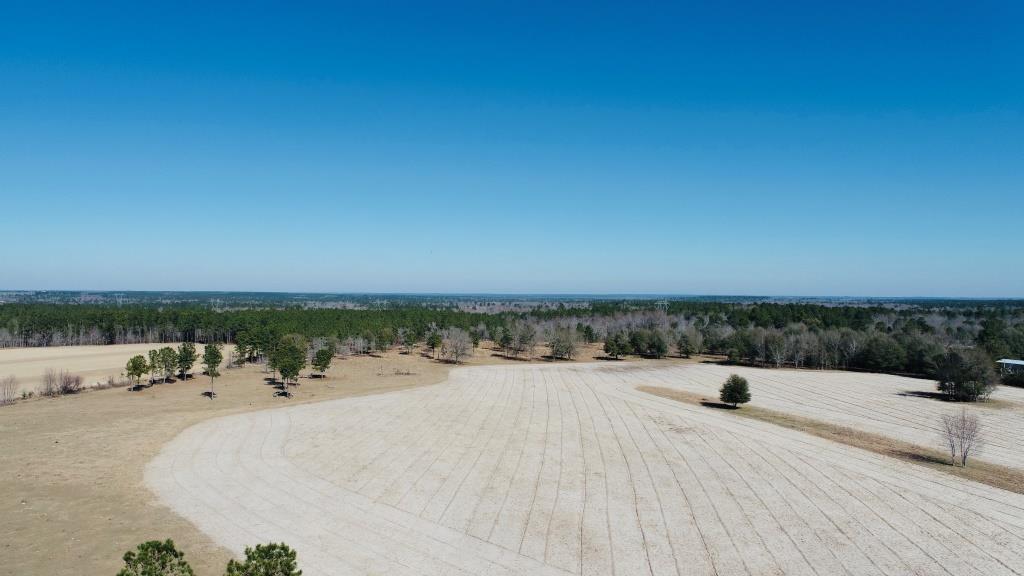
70	383
155	558
266	560
735	391
616	345
8	390
59	383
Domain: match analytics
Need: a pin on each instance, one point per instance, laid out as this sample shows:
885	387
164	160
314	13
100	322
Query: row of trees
156	558
646	342
164	362
23	325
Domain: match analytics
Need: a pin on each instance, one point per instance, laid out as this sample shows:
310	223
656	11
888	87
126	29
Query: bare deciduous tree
962	434
696	339
777	347
456	344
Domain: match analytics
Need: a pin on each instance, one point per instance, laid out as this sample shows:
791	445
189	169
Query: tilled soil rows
567	469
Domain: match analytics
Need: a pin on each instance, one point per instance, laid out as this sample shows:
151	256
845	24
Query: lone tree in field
962	433
966	376
135	368
212	358
186	358
266	560
155	558
735	391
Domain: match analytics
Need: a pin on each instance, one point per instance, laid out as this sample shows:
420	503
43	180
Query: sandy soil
72	497
93	363
897	407
566	468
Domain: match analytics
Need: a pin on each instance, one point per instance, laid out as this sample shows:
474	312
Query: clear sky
782	148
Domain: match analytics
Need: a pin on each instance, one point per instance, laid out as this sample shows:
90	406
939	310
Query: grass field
569	469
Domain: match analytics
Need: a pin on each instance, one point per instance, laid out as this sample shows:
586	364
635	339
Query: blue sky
739	148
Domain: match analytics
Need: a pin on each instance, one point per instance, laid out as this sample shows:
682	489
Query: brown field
93	363
72	496
512	468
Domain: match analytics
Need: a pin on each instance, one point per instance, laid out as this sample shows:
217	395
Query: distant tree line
26	325
910	339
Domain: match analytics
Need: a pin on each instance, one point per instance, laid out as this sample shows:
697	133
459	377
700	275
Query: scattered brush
8	390
59	383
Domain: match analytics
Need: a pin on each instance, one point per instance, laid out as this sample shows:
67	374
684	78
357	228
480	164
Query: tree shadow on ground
515	358
718	405
929	395
926	458
209	394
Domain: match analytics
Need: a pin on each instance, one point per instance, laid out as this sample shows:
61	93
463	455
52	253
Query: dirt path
568	469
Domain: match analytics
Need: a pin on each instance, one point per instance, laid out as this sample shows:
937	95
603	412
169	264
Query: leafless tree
524	338
962	432
8	390
50	385
830	350
696	339
849	344
777	347
456	344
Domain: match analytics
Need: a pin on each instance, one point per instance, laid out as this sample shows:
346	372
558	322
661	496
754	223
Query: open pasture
567	469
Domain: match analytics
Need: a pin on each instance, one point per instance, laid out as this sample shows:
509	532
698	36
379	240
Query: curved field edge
569	469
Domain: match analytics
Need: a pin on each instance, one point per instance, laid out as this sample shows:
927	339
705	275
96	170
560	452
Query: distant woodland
909	338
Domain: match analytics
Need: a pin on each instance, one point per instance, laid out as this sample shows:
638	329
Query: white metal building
1009	366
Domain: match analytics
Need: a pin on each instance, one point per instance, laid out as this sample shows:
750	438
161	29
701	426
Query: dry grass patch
994	475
